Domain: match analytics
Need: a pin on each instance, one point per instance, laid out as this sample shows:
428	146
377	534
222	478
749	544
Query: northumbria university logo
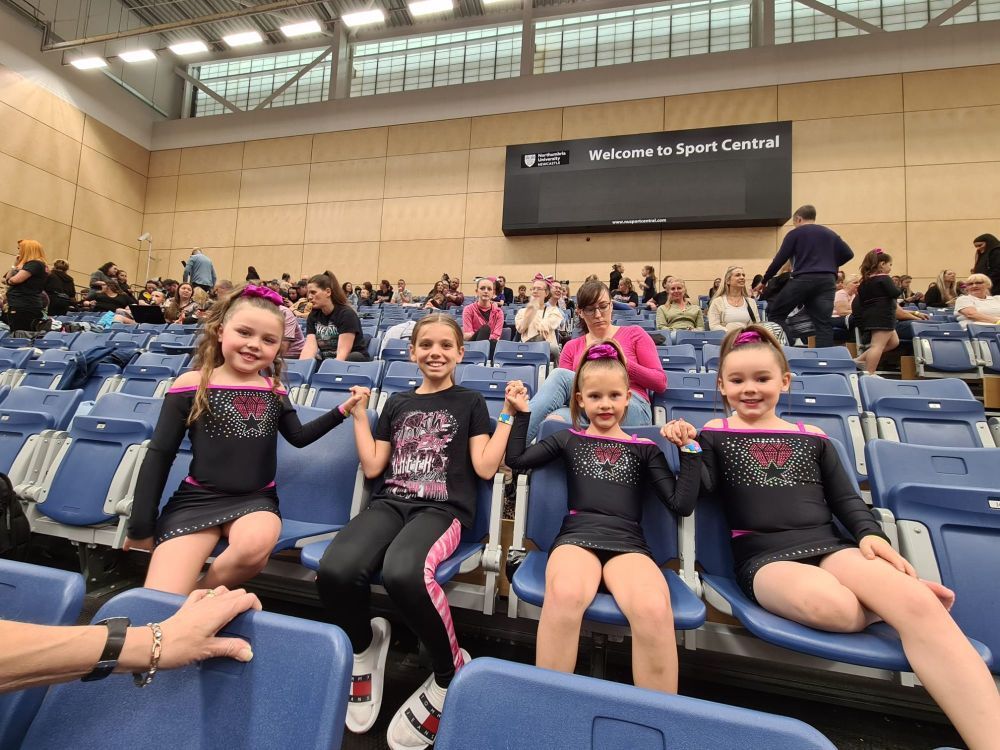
529	160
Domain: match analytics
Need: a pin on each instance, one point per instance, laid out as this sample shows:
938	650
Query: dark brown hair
617	364
870	263
587	295
327	280
767	341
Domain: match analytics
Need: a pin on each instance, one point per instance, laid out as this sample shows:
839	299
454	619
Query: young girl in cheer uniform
429	446
782	484
233	416
601	538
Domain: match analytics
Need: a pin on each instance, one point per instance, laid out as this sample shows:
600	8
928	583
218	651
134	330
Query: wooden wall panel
348	180
278	152
716	108
847	143
427	137
840	98
275	186
956	87
208	190
350	144
31	141
614	118
516	127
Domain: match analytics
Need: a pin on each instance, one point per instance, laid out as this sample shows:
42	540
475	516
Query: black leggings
23	320
407	543
483	334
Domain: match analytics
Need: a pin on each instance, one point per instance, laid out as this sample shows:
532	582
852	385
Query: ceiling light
363	18
302	29
243	38
137	55
188	48
427	7
89	63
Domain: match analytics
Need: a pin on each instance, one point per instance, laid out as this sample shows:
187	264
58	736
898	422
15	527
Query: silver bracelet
142	680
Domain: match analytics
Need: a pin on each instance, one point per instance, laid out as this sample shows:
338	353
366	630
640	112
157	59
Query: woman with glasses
977	305
645	372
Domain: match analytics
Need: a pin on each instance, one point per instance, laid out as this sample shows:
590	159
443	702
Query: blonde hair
724	286
30	250
949	292
208	355
981	277
618	364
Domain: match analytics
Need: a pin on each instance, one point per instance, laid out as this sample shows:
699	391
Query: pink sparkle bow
747	337
252	290
548	280
602	351
878	250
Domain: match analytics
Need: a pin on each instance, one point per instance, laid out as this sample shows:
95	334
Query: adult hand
679	432
873	547
516	395
142	545
189	635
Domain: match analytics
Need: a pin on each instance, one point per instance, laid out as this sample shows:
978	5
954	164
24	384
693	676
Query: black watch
117	627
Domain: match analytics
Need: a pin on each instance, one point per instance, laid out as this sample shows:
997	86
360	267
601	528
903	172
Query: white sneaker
367	678
415	724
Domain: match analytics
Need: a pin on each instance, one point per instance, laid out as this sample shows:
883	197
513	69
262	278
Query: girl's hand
679	432
358	401
516	395
873	547
142	545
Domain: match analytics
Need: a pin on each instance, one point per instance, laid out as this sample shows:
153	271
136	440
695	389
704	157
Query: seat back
874	389
297	372
53	368
710	357
43	596
536	708
699	339
476	352
700	381
396	349
26	411
512	353
316	483
144	376
836	415
952	494
89	339
172	339
939	330
946	422
833	384
695	405
334	378
218	703
939	354
678	358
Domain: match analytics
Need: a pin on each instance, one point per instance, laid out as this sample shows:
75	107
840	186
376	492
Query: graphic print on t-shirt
326	335
769	462
237	413
420	456
606	460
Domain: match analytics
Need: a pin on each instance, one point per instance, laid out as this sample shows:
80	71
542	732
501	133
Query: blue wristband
691	447
507	419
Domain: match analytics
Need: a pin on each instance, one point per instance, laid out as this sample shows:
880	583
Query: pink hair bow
878	250
747	337
252	290
549	280
602	351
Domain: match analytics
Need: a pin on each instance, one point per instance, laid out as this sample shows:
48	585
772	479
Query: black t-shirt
104	303
627	298
648	288
327	329
660	298
430	463
28	294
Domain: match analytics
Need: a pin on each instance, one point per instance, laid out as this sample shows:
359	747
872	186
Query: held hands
189	635
142	545
516	395
679	432
358	401
873	547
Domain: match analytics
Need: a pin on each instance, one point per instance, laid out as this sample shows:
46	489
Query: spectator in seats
483	320
502	295
182	307
841	278
601	539
430	446
111	299
816	252
715	288
558	300
617	271
333	328
521	298
538	320
170	287
402	295
977	305
293	296
987	258
648	285
105	274
384	292
349	294
875	308
678	313
790	557
285	283
440	287
222	287
908	296
60	288
202	300
371	291
37	655
660	298
26	286
199	270
732	306
232	415
147	293
625	297
274	286
158	298
123	287
435	301
593	304
454	296
895	280
302	306
252	276
364	298
294	340
943	291
844	298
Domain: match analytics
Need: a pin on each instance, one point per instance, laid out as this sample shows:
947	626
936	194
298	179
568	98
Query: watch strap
117	628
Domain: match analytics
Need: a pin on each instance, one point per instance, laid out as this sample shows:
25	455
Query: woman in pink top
645	373
483	320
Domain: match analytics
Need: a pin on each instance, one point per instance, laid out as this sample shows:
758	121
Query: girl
648	284
539	321
601	538
233	416
429	446
483	320
732	307
333	328
875	308
617	271
782	484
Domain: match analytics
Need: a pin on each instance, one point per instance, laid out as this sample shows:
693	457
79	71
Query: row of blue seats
220	703
949	350
946	528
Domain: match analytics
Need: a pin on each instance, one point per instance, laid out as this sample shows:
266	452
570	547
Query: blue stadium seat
374	344
945	422
692	380
710	357
537	354
835	414
813	384
153	328
25	414
43	596
476	353
128	342
538	708
396	350
329	385
944	506
547	506
55	340
874	389
492	381
100	375
695	405
399	377
89	339
986	339
678	358
219	703
698	339
296	375
944	348
173	342
12	364
50	368
149	375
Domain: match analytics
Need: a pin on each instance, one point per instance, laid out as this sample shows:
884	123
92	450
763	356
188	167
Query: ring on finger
209	593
